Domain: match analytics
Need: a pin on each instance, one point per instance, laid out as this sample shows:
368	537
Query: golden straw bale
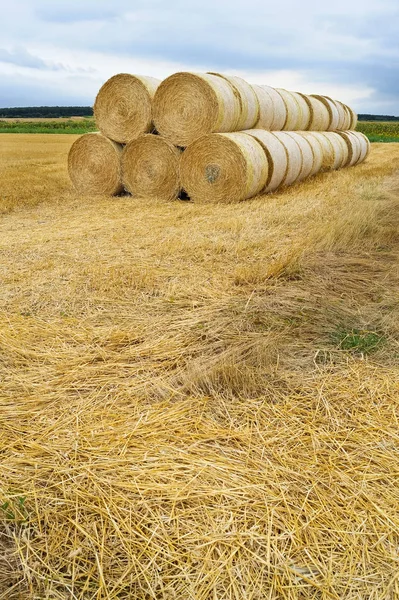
332	111
224	167
190	105
94	165
249	104
277	157
304	116
150	168
317	151
365	145
320	115
355	146
269	96
295	158
341	148
330	151
123	107
293	109
345	116
306	153
267	108
353	122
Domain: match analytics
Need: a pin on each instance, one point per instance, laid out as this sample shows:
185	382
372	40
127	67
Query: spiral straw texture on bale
94	165
224	167
150	167
123	107
190	105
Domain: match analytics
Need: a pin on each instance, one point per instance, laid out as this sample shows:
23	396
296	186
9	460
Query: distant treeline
377	118
46	112
53	112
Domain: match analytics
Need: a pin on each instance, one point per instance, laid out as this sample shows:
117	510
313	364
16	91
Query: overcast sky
60	52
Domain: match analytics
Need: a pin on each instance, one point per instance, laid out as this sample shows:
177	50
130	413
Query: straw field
198	402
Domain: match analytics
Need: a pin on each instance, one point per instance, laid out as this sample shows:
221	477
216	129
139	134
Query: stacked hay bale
215	136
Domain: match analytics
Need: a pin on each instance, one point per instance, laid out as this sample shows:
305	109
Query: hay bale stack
272	110
242	139
224	167
123	107
150	168
94	165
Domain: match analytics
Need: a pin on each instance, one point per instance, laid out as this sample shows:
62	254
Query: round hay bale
304	111
341	115
365	144
190	105
224	167
353	122
267	108
320	116
317	150
332	111
341	148
277	158
94	165
123	107
279	109
294	116
150	168
306	153
294	156
249	105
345	116
354	147
331	152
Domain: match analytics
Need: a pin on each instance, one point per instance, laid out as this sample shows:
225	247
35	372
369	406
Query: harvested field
198	401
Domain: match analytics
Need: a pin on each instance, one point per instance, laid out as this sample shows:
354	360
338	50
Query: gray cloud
352	44
20	57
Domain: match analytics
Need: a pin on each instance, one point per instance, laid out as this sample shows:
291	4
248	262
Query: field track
198	401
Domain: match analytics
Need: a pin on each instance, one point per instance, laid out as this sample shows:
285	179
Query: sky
56	52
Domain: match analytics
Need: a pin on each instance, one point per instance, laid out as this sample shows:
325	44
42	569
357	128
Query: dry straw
190	105
225	167
150	168
94	165
123	107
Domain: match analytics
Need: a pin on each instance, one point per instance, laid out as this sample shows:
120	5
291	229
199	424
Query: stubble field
198	401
